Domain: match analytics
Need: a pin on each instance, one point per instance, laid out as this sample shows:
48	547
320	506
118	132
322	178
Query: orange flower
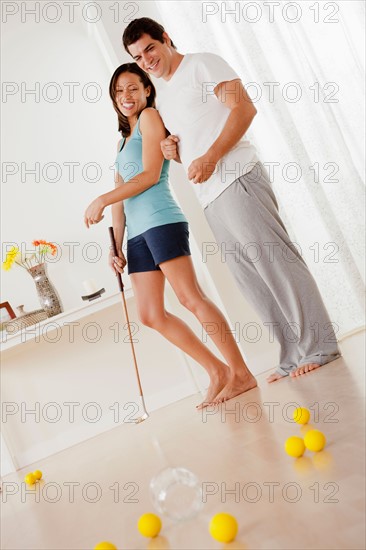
44	243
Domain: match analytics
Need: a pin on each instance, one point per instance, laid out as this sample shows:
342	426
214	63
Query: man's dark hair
138	27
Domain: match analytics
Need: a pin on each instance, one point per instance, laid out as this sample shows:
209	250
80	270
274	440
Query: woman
158	243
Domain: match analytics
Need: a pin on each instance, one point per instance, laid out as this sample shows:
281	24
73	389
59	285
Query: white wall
55	132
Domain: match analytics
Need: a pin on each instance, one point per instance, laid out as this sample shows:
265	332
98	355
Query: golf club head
141	418
145	415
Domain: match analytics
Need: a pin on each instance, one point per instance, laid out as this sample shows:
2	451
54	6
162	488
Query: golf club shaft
121	287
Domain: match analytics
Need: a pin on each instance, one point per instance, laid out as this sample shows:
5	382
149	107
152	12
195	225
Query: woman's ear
148	91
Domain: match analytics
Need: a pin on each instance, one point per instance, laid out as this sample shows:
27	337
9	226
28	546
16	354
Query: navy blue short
156	245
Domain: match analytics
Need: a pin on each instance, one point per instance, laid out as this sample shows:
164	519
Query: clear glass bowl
176	493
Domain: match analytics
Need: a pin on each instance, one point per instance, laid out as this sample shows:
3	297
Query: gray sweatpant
270	271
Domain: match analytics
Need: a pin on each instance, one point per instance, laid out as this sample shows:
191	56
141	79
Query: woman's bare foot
237	385
217	382
303	369
274	376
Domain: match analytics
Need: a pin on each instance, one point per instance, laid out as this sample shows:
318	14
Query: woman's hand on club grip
117	263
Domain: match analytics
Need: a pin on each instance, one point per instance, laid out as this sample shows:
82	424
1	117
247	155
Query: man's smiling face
152	56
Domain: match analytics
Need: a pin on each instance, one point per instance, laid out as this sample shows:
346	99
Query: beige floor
221	449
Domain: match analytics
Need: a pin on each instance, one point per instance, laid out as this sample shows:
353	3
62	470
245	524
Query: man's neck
175	62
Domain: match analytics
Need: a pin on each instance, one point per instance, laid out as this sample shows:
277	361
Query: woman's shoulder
150	122
150	116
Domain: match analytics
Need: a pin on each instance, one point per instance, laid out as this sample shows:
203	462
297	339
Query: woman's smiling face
131	94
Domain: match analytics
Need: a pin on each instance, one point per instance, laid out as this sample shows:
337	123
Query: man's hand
202	168
94	212
169	148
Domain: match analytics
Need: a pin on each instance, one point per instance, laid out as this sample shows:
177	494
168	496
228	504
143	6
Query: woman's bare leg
181	275
148	289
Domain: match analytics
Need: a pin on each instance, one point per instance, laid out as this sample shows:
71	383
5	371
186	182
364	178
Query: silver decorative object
48	297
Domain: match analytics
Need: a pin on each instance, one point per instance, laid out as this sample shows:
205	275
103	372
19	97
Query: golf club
121	287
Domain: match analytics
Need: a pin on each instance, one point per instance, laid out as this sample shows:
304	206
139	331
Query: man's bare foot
217	382
303	369
274	376
237	385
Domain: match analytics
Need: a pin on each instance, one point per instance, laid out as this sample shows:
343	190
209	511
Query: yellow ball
301	415
149	525
314	440
294	446
223	527
105	545
37	474
30	479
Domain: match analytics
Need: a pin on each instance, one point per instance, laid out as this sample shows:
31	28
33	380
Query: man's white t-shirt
190	110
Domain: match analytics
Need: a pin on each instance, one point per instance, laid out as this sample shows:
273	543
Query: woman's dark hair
143	25
123	124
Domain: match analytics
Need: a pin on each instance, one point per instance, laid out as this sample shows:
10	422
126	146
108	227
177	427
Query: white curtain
312	126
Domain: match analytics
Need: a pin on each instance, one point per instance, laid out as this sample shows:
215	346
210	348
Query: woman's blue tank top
153	207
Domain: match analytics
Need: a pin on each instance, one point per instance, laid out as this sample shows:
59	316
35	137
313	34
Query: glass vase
47	294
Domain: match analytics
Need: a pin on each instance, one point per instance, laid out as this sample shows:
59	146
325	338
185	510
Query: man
207	111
